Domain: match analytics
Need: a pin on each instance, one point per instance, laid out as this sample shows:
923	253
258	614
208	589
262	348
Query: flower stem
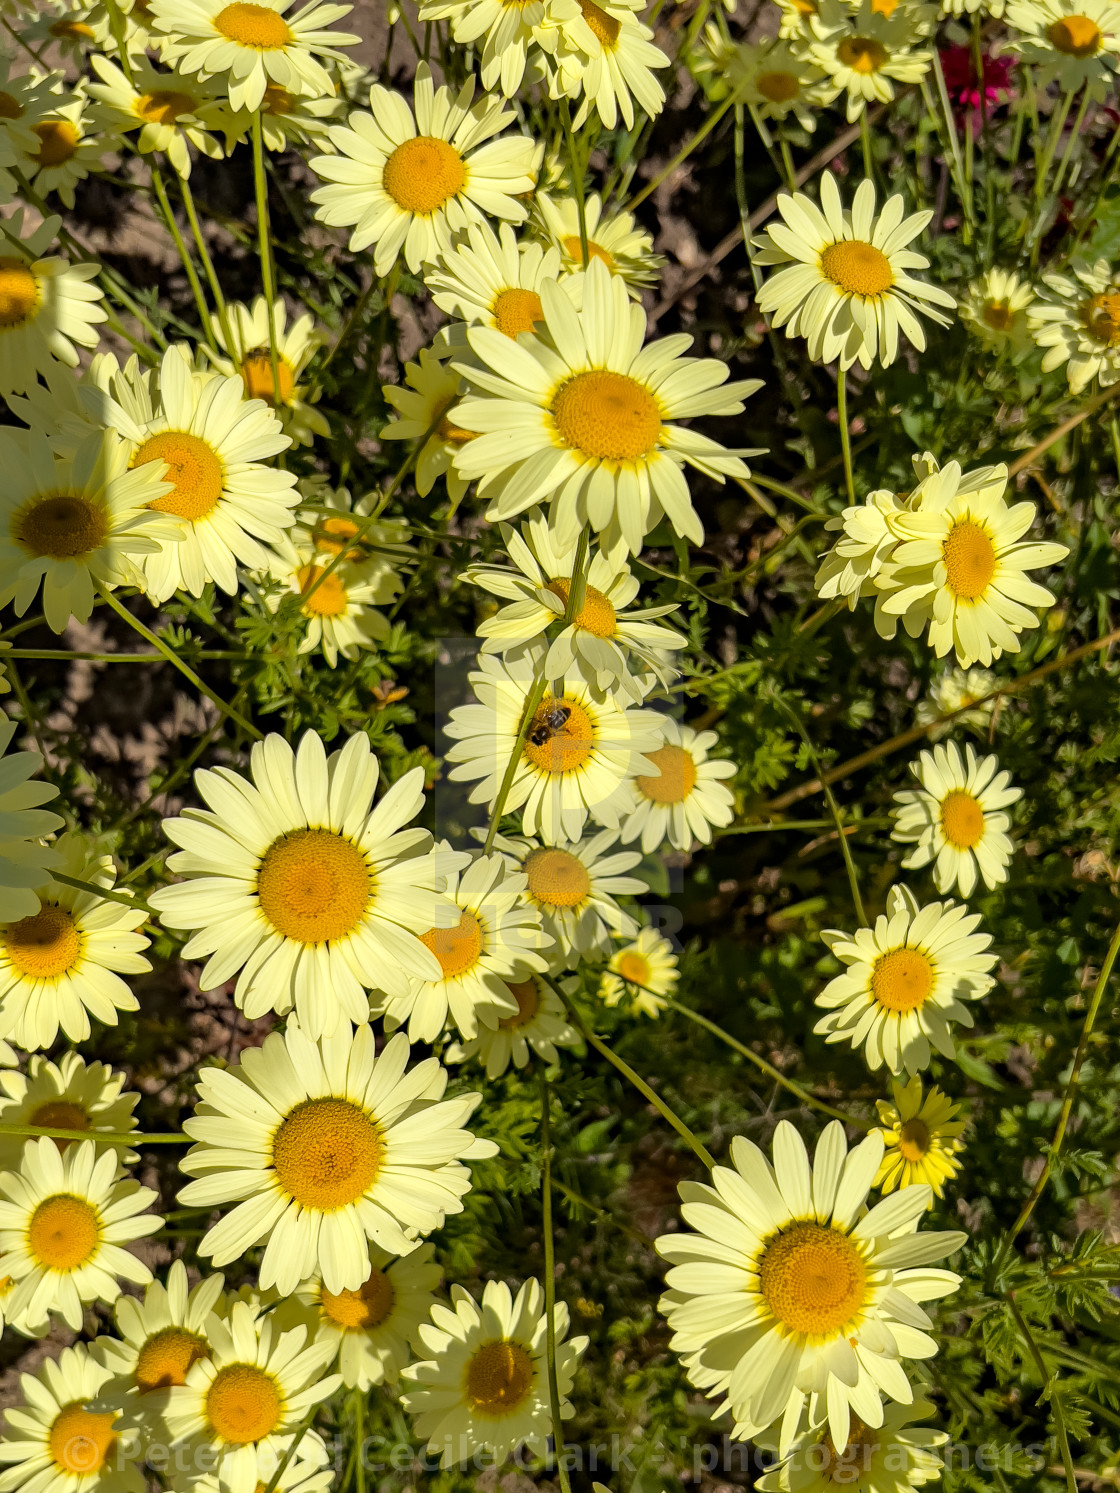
207	263
105	1138
845	433
107	894
683	154
264	248
577	178
188	263
550	1285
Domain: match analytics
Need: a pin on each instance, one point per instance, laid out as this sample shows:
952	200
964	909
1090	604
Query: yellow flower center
163	106
970	559
998	315
499	1379
256	375
528	997
59	1114
19	292
884	7
603	27
516	311
863	54
561	738
45	946
166	1357
1076	36
805	7
634	967
80	1441
607	416
676	775
422	174
857	268
330	598
962	819
64	1232
458	949
902	979
1102	317
60	526
255	26
327	1154
813	1279
556	878
778	87
447	430
574	250
193	469
277	100
10	106
361	1310
849	1466
67	30
914	1140
243	1403
58	140
314	885
596	616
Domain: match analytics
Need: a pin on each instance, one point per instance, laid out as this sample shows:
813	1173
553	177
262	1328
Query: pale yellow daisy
48	306
892	1458
641	973
432	388
172	111
1074	43
574	885
494	280
1076	319
997	309
957	818
615	239
539	1026
866	53
68	1095
25	860
681	797
337	605
250	357
922	1137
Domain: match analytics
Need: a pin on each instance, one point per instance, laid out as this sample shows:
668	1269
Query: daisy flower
922	1137
172	111
603	635
1077	320
892	1458
54	1442
301	887
865	53
485	1385
25	861
904	982
161	1337
494	280
63	1222
68	1095
682	797
962	690
324	1146
1074	43
289	120
511	34
65	149
961	567
309	1471
75	522
407	184
997	309
539	1025
432	389
498	937
579	747
250	357
608	56
869	534
63	964
574	884
643	971
48	307
242	1406
774	77
371	1329
790	1288
581	413
614	239
215	446
339	611
846	287
957	818
331	520
25	98
251	43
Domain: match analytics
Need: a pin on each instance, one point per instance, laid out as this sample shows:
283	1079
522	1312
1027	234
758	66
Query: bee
554	721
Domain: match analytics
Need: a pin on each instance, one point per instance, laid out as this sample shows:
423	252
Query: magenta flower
959	66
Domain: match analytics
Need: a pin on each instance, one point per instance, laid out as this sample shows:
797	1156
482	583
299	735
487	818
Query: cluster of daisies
331	1153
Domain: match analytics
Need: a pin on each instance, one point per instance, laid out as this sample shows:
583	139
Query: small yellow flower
921	1136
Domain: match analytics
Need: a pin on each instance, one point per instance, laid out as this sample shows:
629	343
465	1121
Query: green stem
1049	1384
1074	136
532	703
845	433
173	658
207	263
301	1431
105	893
683	154
577	179
106	1138
550	1285
833	809
264	247
359	1403
188	263
865	145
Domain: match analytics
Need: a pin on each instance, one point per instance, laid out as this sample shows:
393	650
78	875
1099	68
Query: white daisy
25	860
48	307
432	388
408	184
846	287
869	534
301	887
641	972
172	111
539	1026
608	56
324	1146
790	1289
68	1095
337	604
866	52
579	747
773	76
63	1222
161	1337
494	280
485	1385
250	357
615	239
681	797
250	43
510	34
63	964
1074	43
957	818
998	310
922	1138
574	884
1077	320
892	1458
905	980
498	938
966	690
